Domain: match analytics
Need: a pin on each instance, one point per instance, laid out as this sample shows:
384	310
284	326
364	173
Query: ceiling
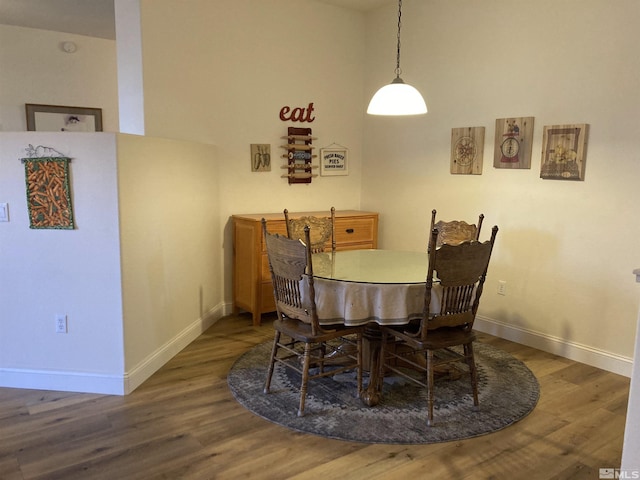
95	18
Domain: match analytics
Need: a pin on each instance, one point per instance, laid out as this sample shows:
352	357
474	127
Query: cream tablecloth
381	286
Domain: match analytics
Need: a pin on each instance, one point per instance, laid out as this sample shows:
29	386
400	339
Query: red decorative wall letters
298	114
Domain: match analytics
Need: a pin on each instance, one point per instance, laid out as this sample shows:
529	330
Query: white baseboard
134	378
88	382
558	346
83	382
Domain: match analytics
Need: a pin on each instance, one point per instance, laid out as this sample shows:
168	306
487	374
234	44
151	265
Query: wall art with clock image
513	143
564	152
467	147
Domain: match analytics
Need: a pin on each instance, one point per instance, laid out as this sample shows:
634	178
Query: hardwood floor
183	423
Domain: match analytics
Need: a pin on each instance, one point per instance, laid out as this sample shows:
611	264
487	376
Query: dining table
371	288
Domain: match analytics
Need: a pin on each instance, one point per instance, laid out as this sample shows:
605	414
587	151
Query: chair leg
323	352
430	386
305	378
468	352
359	357
274	351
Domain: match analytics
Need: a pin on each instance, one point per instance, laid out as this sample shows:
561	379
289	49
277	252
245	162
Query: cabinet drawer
354	230
355	246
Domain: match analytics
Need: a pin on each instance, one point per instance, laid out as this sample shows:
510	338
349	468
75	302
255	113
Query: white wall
138	278
130	84
70	272
35	69
631	446
565	249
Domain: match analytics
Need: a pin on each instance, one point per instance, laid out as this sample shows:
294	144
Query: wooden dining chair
459	272
322	229
299	340
454	231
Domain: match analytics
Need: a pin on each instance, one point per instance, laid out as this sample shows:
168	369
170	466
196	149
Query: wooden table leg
371	345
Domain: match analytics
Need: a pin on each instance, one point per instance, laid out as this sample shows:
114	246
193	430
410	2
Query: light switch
4	212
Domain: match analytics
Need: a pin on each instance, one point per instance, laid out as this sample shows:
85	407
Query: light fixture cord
398	71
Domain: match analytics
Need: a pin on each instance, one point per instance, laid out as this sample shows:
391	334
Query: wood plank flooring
183	423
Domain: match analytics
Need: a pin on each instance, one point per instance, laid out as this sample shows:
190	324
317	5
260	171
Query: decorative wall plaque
467	147
48	197
564	152
260	157
513	142
333	161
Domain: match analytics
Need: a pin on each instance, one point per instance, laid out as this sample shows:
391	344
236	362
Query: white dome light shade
397	98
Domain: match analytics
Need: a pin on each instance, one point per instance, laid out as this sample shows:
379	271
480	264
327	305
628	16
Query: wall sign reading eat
297	114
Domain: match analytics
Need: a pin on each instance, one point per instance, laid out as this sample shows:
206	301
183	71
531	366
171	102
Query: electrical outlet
502	287
61	324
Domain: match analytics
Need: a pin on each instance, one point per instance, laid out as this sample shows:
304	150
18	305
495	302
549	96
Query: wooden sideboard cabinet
252	289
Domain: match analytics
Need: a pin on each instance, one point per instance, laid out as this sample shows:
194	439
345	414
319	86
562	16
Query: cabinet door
246	259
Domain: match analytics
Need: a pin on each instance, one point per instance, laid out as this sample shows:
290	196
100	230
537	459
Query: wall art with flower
564	152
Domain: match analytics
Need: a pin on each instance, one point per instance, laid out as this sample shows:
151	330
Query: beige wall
227	68
234	66
556	61
170	243
565	249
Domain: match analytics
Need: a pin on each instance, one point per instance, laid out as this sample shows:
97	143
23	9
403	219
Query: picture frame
59	118
564	152
334	161
467	149
260	157
513	143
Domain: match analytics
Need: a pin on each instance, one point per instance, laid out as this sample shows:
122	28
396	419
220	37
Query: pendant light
397	98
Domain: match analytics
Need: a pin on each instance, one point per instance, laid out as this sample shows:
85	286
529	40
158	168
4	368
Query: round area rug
508	391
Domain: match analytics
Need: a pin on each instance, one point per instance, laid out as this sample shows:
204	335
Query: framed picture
467	148
57	118
333	161
564	152
513	142
260	157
